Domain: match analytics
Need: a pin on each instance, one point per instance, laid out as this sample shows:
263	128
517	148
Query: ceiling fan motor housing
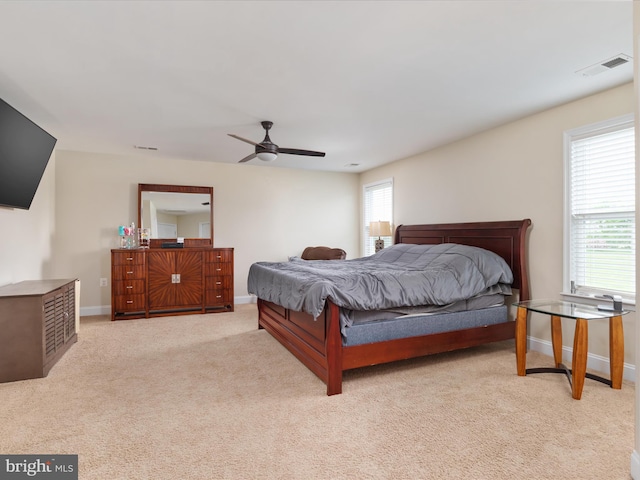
267	146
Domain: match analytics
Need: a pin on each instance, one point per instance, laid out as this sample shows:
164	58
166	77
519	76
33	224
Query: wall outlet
103	282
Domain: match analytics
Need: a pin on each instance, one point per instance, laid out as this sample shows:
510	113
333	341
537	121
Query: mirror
172	211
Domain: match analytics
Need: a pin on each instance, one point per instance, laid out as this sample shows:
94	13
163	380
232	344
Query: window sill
627	303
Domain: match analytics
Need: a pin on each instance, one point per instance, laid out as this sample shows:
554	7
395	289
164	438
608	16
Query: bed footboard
316	343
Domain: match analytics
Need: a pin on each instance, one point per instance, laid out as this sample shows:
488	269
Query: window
600	209
378	206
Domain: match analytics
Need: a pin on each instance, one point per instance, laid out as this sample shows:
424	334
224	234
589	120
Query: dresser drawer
217	283
218	269
218	256
128	303
218	297
128	258
128	287
127	272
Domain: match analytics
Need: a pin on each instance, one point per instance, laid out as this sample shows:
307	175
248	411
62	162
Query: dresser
38	320
153	282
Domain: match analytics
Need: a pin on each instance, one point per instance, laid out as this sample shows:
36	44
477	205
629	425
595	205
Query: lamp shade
267	156
380	229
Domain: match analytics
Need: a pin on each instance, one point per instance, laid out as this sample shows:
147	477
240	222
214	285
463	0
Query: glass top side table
582	314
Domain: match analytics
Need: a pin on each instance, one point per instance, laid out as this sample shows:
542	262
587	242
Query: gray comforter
400	275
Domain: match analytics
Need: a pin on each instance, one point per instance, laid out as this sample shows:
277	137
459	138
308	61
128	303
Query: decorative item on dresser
38	320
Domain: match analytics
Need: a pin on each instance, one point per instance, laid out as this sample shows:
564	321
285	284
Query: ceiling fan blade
242	139
296	151
248	157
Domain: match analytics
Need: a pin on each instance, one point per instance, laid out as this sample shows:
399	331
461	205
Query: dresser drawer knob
129	286
129	301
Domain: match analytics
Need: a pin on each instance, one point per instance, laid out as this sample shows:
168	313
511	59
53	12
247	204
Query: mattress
403	326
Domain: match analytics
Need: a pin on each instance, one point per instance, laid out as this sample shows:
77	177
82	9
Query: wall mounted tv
25	149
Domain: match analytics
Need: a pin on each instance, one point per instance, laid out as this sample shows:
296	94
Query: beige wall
26	235
265	213
511	172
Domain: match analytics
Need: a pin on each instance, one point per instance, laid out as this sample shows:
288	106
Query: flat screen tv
25	149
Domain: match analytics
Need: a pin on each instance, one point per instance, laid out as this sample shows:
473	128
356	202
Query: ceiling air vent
605	65
615	62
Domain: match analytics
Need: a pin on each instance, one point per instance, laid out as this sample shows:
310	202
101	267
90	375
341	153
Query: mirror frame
188	242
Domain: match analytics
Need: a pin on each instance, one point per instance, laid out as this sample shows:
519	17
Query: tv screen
25	149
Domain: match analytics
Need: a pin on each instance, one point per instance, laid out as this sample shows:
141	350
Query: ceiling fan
268	151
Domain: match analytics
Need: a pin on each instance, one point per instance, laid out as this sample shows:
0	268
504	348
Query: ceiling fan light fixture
267	156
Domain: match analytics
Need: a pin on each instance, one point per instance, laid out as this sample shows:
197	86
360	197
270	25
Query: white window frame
570	290
382	212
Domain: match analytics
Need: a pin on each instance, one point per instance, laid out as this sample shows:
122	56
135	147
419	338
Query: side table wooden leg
616	351
521	341
579	363
556	339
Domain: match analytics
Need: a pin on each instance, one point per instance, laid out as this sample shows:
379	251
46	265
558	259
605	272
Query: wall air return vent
605	65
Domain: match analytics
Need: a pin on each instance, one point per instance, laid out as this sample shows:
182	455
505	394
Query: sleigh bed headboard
507	239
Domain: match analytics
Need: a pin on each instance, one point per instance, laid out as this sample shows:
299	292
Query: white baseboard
106	309
99	310
246	299
635	465
594	362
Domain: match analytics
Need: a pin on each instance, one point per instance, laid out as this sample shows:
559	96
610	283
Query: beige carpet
213	397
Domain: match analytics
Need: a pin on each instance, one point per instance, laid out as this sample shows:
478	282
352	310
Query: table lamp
379	229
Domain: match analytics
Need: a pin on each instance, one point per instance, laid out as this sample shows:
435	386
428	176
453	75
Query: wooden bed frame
318	343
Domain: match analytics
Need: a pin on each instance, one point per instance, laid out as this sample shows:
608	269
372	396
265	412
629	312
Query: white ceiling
367	82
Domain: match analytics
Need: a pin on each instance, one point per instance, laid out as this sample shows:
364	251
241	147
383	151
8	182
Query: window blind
602	211
378	205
